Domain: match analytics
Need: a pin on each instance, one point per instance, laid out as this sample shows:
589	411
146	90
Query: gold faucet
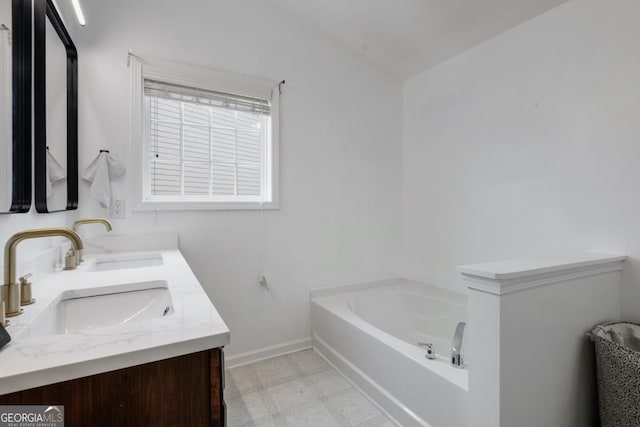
10	295
78	223
82	221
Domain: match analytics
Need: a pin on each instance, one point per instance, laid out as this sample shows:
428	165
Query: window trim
207	79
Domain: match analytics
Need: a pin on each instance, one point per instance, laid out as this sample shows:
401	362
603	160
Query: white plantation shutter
206	145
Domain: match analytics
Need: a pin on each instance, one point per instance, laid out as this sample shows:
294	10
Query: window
207	139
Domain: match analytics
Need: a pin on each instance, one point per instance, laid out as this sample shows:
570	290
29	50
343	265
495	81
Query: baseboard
267	352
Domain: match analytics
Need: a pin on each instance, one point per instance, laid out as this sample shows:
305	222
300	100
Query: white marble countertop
195	325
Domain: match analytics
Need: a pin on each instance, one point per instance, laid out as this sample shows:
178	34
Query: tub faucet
10	291
78	223
456	346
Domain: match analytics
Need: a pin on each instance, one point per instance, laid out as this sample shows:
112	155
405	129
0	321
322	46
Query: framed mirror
15	106
55	112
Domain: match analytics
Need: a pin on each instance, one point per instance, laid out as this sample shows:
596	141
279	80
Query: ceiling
406	37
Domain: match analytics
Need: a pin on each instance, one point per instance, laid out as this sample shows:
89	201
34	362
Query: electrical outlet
118	209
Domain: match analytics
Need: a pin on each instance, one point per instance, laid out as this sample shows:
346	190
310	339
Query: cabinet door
184	390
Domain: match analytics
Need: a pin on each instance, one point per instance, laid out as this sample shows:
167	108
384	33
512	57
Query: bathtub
370	333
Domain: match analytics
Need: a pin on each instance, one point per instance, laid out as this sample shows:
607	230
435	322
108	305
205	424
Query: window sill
203	206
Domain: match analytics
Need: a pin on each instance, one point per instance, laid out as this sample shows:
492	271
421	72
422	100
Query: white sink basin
127	261
80	311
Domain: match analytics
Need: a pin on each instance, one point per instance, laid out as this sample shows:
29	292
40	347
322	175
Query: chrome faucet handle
431	353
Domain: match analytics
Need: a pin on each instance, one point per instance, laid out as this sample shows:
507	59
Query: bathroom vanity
129	338
183	390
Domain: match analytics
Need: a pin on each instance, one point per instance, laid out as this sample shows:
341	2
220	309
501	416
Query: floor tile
309	361
264	422
290	394
245	408
312	414
237	413
380	421
329	382
240	380
269	421
354	407
275	371
296	390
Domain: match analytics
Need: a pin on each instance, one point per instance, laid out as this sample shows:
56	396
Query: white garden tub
370	332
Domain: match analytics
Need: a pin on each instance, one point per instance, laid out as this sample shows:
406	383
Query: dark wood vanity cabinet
181	391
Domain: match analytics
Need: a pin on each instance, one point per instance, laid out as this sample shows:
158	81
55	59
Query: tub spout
456	346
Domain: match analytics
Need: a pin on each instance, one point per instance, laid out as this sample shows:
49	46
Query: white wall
528	144
341	129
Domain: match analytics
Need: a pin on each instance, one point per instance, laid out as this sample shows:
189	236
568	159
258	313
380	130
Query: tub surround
194	325
529	319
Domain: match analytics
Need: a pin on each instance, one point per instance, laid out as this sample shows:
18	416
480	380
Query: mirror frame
43	10
21	117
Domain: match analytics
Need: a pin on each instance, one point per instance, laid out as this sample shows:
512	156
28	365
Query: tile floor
296	390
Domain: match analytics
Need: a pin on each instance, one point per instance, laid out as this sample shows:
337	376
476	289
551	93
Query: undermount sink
126	262
80	311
